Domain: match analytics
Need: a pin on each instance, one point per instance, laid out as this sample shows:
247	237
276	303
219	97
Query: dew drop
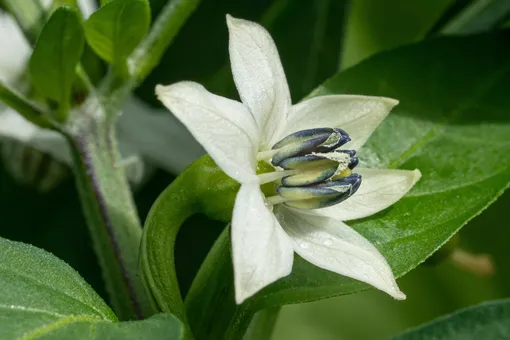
304	245
327	242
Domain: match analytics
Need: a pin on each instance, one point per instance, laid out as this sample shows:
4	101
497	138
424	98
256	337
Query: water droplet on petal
304	245
327	242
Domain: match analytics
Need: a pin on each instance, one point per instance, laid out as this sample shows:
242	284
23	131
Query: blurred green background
315	40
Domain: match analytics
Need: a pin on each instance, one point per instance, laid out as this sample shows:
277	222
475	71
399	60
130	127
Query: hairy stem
112	219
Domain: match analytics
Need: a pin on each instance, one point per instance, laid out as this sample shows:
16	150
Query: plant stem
148	54
213	287
201	188
111	215
25	108
262	324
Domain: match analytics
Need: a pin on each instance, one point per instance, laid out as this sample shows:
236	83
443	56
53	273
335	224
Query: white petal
379	189
15	127
224	127
259	76
332	245
357	115
261	251
14	50
157	136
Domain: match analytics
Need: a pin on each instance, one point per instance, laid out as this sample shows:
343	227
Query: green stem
262	324
24	107
174	206
148	54
213	288
111	215
189	194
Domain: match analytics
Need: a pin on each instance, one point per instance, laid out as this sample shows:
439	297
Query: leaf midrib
51	288
58	323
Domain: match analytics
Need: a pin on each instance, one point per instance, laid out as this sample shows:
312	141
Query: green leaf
116	29
57	53
375	26
452	123
42	297
489	320
40	289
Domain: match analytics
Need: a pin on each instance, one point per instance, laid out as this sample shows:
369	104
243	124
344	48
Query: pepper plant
328	180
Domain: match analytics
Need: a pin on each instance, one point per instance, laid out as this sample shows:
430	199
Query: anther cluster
322	172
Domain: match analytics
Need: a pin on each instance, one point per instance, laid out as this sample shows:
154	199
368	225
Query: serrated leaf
452	123
57	53
490	320
43	298
117	28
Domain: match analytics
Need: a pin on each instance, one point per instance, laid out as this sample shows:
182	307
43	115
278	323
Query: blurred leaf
375	26
479	16
489	320
117	28
57	53
45	298
451	124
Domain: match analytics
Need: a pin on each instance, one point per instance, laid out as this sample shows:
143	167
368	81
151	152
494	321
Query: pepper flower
297	183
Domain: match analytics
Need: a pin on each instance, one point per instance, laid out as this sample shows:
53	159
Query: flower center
312	172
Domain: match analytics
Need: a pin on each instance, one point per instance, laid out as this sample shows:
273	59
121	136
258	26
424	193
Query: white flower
266	231
143	132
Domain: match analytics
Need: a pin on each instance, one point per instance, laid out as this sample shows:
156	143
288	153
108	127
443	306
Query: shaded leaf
375	26
490	320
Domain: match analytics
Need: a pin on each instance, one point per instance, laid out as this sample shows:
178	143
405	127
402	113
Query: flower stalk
111	216
213	286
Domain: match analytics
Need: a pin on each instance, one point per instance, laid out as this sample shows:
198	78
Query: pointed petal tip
393	102
398	295
417	176
176	88
231	21
160	89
